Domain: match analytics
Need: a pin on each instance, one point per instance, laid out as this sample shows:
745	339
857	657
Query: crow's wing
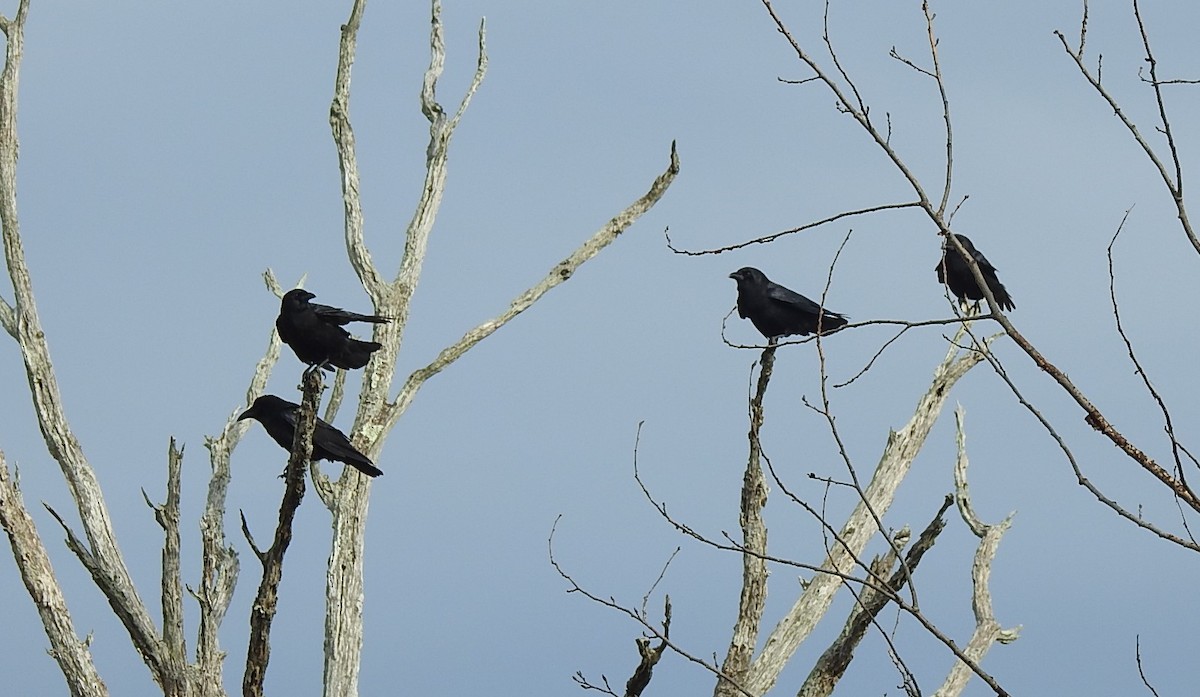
338	316
779	294
325	436
292	415
334	445
982	261
289	414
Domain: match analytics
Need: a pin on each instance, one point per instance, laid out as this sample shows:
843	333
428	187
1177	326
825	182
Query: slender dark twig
1168	426
774	236
650	628
1141	671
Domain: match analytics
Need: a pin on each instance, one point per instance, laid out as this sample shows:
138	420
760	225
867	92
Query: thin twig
827	411
1140	369
774	236
1173	183
1137	647
612	604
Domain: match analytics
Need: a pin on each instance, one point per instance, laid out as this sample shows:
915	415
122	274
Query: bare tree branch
167	517
827	412
343	139
348	501
562	271
1168	425
860	115
827	530
904	325
262	612
774	236
37	573
1082	479
1165	122
650	628
1174	183
1141	671
941	85
753	597
640	679
1098	421
987	629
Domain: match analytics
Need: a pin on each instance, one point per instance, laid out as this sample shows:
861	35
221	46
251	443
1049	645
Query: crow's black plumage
777	311
954	271
315	332
278	416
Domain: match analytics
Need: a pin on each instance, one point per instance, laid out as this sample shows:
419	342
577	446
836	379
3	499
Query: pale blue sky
172	152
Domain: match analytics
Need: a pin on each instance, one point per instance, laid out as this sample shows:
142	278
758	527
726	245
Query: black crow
315	332
954	271
777	311
278	416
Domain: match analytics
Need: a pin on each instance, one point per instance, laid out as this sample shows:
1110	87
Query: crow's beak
735	276
246	414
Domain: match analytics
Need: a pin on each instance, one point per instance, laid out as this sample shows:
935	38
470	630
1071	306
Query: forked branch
1172	175
987	629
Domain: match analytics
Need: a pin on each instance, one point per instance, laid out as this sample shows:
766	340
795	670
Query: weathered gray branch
416	241
167	516
562	271
753	597
37	573
343	138
348	499
987	629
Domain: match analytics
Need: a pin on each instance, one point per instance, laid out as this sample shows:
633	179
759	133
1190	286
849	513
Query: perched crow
777	311
954	271
279	416
315	332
